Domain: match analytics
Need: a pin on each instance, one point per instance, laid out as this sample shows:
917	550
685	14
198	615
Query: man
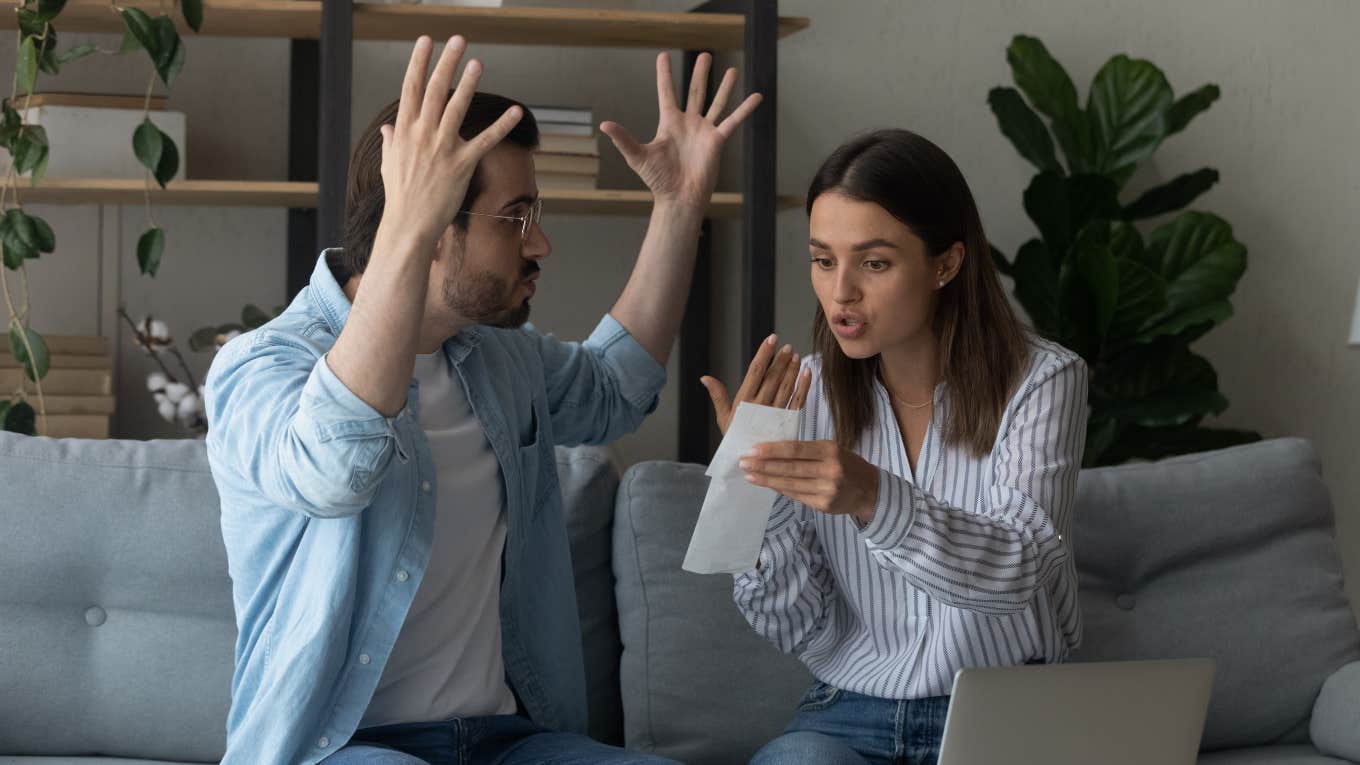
383	449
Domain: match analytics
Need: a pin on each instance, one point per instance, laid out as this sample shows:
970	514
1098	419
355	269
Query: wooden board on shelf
303	195
521	26
63	382
73	426
60	361
199	193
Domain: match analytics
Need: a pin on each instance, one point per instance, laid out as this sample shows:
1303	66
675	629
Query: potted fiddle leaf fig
1130	298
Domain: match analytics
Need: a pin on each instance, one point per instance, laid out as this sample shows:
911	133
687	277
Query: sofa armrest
1334	727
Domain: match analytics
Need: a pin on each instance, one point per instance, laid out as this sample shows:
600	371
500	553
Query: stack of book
78	388
568	155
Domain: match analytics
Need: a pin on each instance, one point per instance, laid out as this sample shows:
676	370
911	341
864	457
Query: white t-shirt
447	660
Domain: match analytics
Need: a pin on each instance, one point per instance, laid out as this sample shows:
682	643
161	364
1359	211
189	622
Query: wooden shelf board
517	26
224	193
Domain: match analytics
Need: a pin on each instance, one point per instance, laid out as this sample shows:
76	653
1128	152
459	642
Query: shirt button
402	576
425	486
323	742
364	659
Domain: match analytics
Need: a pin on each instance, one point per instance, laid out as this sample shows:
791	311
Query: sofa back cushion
698	684
1231	555
116	616
115	604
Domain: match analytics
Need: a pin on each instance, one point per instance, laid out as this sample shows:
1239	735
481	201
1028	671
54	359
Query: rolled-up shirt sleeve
282	422
600	389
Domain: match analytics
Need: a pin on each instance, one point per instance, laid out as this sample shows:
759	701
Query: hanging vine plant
25	237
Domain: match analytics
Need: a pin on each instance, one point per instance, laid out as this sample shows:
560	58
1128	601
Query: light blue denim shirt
328	514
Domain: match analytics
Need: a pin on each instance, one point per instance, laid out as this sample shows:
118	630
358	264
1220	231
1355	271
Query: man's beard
483	298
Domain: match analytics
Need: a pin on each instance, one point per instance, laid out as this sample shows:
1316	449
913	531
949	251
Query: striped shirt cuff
894	513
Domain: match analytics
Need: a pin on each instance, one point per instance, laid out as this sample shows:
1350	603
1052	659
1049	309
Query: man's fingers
698	84
441	80
413	86
623	140
800	393
457	107
489	138
755	373
665	88
715	109
786	383
729	126
774	377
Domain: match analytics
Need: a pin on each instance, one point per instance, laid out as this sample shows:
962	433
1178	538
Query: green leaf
35	366
202	339
1142	295
1100	435
1157	443
148	145
27	66
46	239
10	123
130	43
1196	321
77	53
150	247
1171	196
139	26
1061	206
1127	106
169	164
1188	106
20	418
30	148
998	259
17	236
1023	127
1201	261
48	62
1050	89
1041	77
1100	272
30	23
193	13
1036	287
169	57
252	316
48	9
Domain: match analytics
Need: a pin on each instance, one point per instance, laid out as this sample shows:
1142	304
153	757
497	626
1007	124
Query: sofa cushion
698	684
115	603
1269	755
589	484
1231	555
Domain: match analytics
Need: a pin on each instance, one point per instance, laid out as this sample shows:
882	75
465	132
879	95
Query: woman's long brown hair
983	346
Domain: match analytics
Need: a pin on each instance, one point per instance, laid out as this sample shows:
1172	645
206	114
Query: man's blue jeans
837	727
496	740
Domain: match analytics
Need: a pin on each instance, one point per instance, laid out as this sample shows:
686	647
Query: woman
922	519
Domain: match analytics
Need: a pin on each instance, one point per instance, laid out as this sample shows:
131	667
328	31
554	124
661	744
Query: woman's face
874	279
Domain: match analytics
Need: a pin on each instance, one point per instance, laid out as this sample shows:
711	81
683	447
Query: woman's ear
948	264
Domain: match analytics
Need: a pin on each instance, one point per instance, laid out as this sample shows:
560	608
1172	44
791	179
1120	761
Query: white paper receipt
732	522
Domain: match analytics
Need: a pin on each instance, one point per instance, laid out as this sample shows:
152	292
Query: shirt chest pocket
536	461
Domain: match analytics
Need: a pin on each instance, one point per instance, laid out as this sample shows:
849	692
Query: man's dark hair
364	195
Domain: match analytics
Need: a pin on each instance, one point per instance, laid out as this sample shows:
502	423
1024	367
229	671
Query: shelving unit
322	36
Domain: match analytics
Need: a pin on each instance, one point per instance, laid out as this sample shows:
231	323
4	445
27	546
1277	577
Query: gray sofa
116	624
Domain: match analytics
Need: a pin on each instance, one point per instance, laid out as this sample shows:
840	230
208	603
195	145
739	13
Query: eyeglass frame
533	217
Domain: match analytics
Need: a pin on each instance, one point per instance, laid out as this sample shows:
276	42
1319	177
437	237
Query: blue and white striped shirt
966	563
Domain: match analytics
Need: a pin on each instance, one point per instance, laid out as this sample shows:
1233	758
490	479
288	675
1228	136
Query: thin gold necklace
910	405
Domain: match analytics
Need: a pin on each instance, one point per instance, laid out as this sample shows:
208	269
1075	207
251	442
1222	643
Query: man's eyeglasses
526	221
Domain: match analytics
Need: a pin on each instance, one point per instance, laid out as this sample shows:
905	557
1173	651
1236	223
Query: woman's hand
820	474
771	380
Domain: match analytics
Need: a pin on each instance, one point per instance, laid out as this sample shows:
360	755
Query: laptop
1116	713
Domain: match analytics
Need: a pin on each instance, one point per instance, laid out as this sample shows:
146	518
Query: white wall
1281	136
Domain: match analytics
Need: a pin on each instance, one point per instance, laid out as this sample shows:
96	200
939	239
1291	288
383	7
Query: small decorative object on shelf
179	397
568	155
